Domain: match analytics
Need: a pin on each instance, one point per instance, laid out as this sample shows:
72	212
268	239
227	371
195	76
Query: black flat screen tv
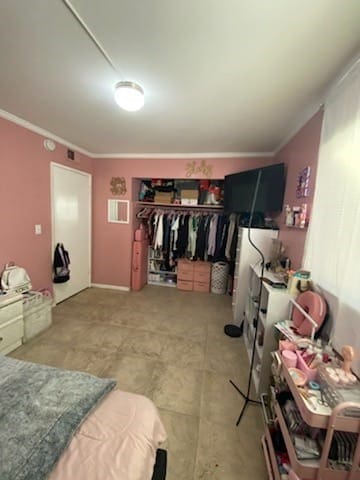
239	190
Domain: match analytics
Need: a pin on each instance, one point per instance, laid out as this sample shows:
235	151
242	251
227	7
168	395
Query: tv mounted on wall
239	190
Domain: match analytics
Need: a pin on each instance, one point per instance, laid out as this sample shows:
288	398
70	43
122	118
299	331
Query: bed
60	425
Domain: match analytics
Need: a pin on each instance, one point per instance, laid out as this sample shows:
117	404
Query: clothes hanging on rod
203	235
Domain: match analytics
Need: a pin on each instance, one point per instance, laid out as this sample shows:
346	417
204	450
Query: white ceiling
230	76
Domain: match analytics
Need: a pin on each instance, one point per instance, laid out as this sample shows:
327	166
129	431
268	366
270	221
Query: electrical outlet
38	229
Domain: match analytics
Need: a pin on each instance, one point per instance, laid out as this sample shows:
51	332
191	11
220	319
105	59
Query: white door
71	225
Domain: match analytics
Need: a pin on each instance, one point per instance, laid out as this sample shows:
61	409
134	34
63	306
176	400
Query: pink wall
301	151
25	199
112	243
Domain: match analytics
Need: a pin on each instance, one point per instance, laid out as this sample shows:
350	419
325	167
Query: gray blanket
40	409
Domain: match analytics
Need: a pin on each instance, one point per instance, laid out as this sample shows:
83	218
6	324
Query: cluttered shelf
315	408
179	206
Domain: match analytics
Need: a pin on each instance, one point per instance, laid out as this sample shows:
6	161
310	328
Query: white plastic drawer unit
11	333
10	307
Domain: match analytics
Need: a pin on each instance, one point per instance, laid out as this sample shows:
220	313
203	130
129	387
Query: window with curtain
332	250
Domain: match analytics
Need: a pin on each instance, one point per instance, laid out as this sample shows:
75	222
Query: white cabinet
11	322
274	307
246	255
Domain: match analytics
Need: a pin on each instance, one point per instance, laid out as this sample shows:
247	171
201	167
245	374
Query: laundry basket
219	277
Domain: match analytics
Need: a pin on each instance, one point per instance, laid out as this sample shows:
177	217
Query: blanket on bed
40	409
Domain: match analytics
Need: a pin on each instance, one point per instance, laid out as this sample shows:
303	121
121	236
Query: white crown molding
45	133
185	155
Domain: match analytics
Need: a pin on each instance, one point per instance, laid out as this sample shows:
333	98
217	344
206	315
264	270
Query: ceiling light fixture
129	96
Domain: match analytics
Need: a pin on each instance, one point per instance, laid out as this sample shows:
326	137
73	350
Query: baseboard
111	287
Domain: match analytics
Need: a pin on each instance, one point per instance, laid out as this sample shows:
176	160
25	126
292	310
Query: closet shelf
179	206
162	272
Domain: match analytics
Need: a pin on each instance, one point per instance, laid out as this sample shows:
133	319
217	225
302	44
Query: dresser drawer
185	275
202	276
185	270
10	311
185	266
184	284
11	334
201	266
201	287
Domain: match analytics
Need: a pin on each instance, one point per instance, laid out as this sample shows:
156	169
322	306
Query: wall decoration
118	186
192	168
302	188
118	211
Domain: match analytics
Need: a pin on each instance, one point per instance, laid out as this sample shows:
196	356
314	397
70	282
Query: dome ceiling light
129	96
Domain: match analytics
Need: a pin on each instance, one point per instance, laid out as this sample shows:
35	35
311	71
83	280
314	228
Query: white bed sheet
117	441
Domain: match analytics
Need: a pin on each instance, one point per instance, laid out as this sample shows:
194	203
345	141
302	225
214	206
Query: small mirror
118	211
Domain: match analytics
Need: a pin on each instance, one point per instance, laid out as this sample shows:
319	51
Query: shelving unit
323	417
245	256
274	308
157	276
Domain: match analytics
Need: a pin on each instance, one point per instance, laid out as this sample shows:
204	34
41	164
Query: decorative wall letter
118	186
192	168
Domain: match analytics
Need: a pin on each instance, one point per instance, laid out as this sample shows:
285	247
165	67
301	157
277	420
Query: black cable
246	396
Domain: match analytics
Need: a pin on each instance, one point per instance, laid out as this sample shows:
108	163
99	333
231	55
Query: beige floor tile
141	342
183	352
133	373
182	431
177	389
228	452
220	402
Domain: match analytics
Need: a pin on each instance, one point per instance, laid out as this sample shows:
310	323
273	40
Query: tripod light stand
246	396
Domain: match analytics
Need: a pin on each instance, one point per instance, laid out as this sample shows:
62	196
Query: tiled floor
170	346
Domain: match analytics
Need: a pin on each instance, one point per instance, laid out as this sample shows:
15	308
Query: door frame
54	165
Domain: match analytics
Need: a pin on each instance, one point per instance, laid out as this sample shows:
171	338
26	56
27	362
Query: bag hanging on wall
61	264
15	279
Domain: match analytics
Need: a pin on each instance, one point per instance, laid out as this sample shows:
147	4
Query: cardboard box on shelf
164	197
191	194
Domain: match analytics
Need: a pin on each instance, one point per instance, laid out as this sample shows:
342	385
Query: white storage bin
37	314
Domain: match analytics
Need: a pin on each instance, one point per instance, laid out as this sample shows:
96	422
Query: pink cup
289	358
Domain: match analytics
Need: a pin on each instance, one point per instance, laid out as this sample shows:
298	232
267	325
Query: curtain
333	241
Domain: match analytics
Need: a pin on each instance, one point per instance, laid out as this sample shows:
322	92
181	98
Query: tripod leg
238	390
242	412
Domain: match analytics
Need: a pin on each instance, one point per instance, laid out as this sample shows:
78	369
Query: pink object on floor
117	441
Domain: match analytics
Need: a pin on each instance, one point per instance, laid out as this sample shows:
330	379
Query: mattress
117	441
